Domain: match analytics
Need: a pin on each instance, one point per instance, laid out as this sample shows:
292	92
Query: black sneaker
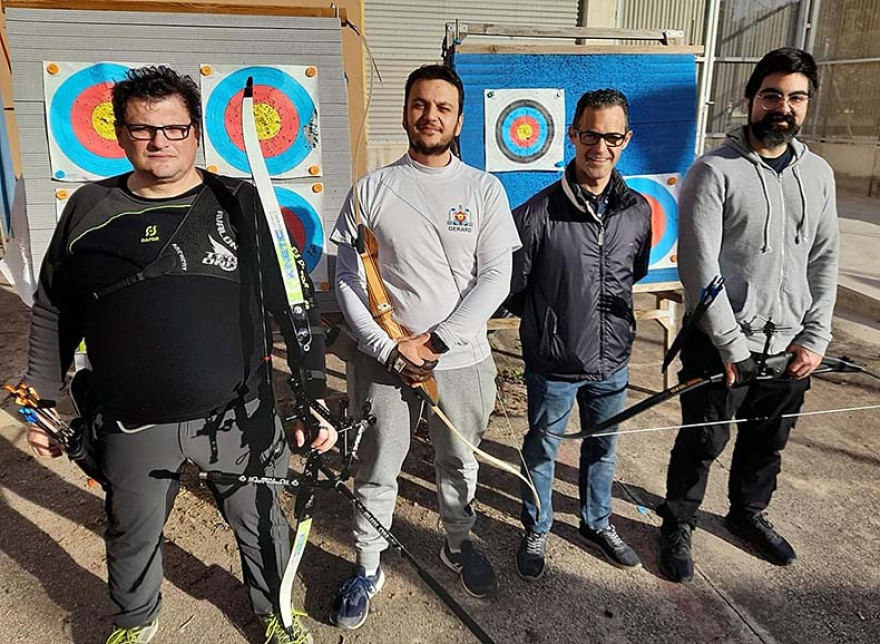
676	560
757	530
530	564
473	568
612	546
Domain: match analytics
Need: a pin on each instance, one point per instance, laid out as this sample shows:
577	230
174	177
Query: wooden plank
502	324
671	290
475	48
181	7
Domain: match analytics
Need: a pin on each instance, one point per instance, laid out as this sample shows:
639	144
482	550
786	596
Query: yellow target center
524	131
268	120
103	120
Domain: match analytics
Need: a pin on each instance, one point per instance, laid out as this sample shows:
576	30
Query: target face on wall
301	207
661	191
286	112
525	129
80	122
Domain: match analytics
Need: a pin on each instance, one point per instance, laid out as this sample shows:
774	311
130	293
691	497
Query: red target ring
295	228
658	220
525	124
91	118
277	119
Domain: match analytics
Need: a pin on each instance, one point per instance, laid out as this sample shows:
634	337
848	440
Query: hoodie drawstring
766	248
803	222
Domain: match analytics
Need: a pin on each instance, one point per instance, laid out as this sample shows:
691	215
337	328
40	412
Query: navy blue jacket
573	278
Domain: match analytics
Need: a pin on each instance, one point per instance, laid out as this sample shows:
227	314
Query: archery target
301	207
286	112
80	122
525	129
661	191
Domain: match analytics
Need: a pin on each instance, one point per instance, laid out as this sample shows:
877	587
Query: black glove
746	371
408	370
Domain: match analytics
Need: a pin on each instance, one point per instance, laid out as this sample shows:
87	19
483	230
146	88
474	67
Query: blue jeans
550	403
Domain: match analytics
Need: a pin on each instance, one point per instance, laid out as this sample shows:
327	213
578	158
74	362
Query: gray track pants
141	469
467	397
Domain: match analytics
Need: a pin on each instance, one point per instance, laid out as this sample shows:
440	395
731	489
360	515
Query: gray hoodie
773	237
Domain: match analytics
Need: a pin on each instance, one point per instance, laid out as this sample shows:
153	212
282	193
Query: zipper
781	249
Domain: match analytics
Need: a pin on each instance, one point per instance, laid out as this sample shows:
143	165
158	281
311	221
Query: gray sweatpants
142	469
467	397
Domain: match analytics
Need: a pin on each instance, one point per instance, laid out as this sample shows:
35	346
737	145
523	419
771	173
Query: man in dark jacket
158	270
586	240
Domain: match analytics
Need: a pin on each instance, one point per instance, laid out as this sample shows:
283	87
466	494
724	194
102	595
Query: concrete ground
52	568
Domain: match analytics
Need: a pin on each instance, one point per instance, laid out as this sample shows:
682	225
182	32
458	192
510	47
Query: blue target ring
524	131
668	211
232	85
306	232
62	126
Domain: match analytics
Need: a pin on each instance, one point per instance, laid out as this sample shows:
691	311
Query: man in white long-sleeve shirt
445	239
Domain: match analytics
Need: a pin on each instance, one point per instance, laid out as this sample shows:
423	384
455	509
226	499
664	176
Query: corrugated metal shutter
403	36
671	14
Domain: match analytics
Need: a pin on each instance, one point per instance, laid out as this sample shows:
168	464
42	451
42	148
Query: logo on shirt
221	257
220	223
151	234
459	219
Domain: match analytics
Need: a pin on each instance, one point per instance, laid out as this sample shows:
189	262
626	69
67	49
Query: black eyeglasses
771	100
588	137
147	132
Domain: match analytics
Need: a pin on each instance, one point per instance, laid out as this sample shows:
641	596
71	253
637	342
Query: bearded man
760	210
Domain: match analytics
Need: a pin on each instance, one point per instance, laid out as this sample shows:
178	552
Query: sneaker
277	634
757	530
473	568
530	564
352	603
676	560
136	635
612	546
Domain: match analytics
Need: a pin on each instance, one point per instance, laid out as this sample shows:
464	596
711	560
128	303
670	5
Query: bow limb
507	467
290	269
828	365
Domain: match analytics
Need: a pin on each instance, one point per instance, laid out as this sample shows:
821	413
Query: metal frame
457	31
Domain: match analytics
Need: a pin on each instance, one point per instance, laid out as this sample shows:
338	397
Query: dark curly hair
601	99
154	83
435	72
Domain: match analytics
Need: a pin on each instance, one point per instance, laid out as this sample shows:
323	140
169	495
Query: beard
429	150
770	132
425	149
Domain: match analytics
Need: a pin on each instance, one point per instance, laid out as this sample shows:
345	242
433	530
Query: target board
301	207
286	112
661	191
79	120
525	129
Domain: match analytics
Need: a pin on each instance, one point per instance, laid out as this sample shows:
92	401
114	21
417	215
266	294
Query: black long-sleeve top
168	297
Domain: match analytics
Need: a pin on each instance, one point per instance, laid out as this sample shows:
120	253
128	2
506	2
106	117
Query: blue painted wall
7	175
661	90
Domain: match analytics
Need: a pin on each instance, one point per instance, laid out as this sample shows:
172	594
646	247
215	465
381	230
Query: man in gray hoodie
760	211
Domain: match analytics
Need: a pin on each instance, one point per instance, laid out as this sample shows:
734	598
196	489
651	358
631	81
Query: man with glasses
760	211
586	241
157	269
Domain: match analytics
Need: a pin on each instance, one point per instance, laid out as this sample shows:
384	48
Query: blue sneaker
352	603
